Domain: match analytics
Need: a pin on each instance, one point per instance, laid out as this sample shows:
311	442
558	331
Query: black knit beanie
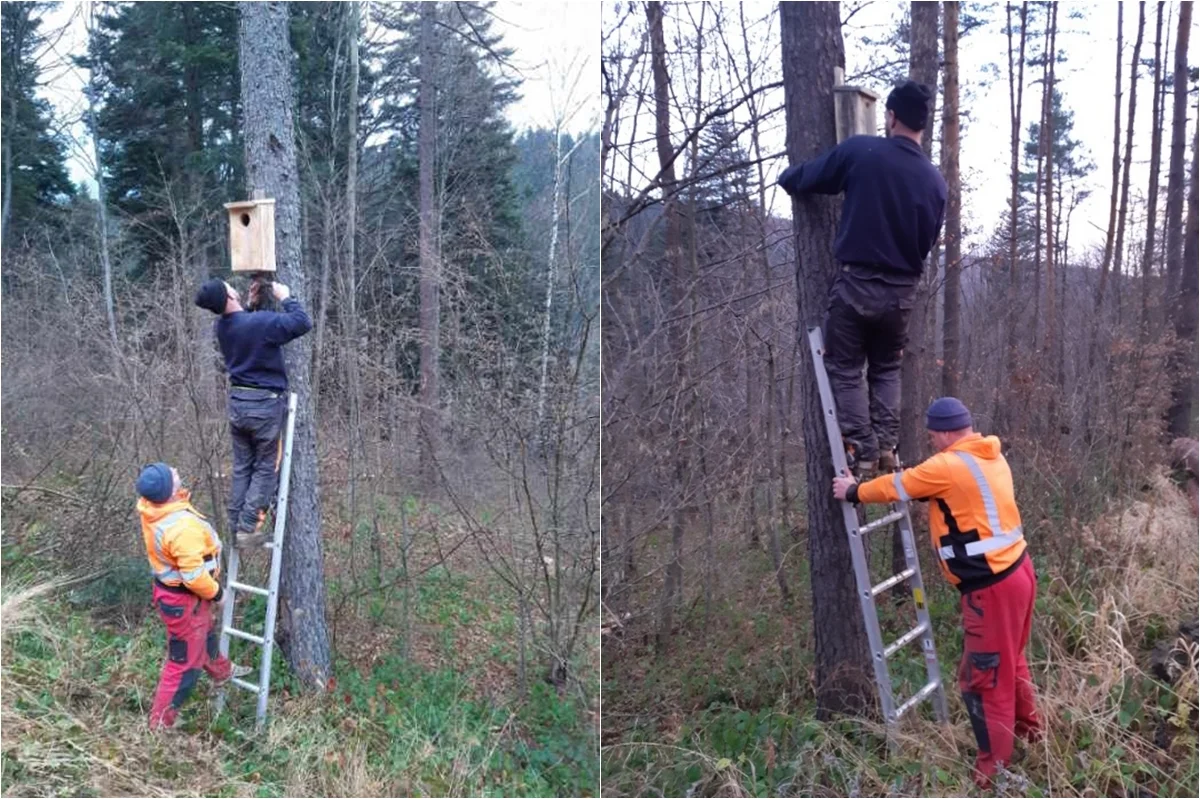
212	295
910	102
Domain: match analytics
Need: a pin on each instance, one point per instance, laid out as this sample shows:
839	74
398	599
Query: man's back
252	343
894	205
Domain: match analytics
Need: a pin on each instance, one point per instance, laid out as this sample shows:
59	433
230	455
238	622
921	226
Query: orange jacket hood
152	512
981	446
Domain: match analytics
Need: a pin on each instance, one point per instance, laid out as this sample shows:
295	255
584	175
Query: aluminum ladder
897	514
271	592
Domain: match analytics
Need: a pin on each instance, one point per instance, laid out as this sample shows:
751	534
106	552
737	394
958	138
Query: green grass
79	675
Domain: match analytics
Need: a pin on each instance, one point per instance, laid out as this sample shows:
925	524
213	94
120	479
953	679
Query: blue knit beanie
947	413
155	483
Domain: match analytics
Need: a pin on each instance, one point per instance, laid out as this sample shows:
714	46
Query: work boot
250	540
865	470
235	670
166	720
887	460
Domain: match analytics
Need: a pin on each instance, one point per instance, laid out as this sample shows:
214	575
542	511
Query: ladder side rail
883	680
933	670
285	479
227	619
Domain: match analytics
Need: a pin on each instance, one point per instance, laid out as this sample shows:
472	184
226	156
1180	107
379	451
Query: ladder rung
245	636
908	637
254	589
916	699
249	686
895	516
893	580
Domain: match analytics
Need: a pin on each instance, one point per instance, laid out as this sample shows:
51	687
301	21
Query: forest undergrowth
729	709
436	712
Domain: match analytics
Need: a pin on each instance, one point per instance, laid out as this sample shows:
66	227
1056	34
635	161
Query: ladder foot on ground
899	515
232	585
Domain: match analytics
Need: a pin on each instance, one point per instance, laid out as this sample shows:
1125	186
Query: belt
272	393
174	589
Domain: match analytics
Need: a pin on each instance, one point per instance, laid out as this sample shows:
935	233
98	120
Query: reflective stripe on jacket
975	526
182	547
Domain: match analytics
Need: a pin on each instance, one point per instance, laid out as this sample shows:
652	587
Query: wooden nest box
853	109
252	235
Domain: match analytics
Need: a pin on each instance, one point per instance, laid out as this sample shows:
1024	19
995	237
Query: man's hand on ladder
841	485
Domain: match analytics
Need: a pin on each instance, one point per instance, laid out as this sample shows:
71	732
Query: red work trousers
994	676
191	648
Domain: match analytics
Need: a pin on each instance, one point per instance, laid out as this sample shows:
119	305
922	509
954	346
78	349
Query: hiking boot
887	461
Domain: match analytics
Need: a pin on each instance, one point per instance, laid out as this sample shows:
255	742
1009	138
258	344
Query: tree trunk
674	258
267	102
6	211
1184	391
953	236
350	315
430	223
1176	177
1016	90
322	311
923	68
1155	163
1048	345
1119	252
550	274
811	46
1037	192
1110	235
102	213
773	531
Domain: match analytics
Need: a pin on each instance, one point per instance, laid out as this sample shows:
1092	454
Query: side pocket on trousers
171	611
177	650
984	670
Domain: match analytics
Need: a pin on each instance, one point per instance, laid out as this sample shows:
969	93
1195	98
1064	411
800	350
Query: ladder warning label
919	598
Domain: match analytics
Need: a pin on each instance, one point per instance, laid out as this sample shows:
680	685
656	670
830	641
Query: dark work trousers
994	675
255	421
866	323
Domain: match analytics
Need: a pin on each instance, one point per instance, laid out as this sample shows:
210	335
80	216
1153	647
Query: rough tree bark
674	258
430	271
1155	163
811	46
953	235
268	108
1176	177
1184	391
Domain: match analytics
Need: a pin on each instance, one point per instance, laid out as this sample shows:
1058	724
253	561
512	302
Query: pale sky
557	51
1085	81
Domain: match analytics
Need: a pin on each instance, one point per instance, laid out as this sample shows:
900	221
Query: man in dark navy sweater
252	344
892	214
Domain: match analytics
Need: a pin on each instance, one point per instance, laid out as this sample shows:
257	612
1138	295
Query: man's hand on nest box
281	291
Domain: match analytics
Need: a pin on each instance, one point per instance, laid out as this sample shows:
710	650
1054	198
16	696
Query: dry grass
1113	730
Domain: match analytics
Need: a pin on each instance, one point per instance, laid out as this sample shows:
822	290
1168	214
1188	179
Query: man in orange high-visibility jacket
185	559
976	532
